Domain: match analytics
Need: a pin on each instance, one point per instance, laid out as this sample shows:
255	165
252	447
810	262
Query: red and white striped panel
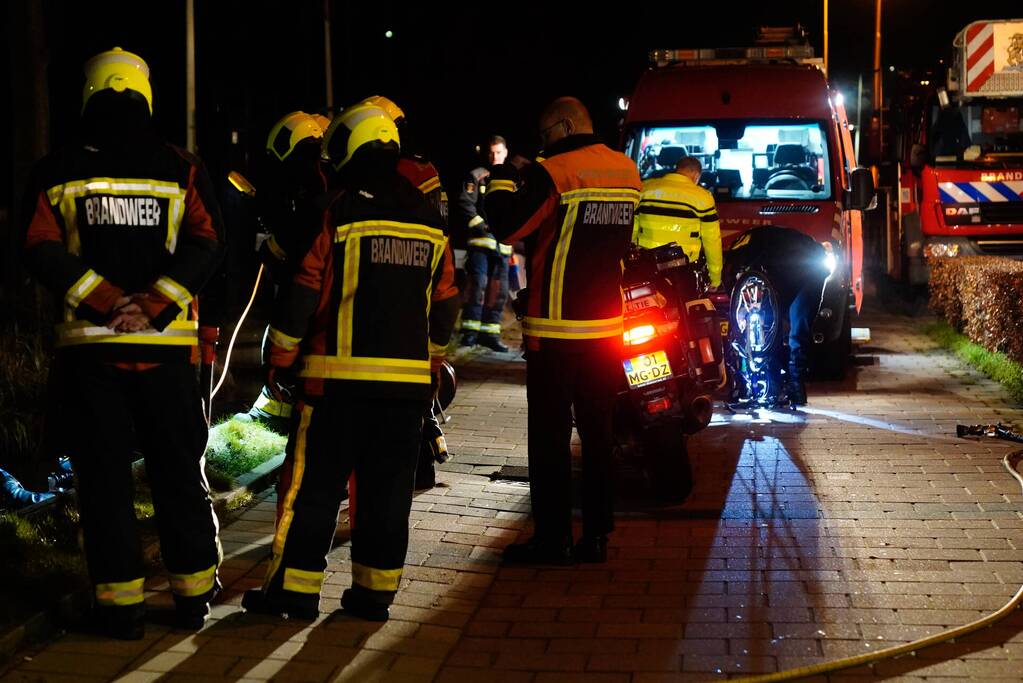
980	55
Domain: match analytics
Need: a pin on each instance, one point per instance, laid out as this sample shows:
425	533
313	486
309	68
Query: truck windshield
740	159
992	126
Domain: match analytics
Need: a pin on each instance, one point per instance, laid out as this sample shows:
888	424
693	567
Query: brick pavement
856	525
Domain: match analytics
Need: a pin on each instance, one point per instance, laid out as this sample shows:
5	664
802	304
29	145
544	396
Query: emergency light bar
735	55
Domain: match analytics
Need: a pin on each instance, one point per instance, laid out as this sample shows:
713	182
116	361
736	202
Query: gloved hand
281	382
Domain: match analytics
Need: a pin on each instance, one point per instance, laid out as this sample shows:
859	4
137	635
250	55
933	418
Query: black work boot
540	551
305	608
492	342
191	613
468	339
795	387
591	549
358	604
122	623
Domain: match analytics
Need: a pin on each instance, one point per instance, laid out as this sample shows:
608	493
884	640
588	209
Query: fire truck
773	139
958	156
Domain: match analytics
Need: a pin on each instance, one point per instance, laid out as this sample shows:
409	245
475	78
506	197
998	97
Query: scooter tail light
706	350
639	334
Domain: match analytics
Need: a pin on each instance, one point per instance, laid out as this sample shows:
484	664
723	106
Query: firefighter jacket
673	208
423	175
473	212
110	221
361	309
575	212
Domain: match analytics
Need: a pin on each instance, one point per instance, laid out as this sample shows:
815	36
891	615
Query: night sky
461	71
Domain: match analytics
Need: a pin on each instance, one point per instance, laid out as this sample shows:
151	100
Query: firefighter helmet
360	125
393	110
290	131
119	71
322	121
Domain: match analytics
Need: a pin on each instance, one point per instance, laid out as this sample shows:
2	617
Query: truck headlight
938	249
830	262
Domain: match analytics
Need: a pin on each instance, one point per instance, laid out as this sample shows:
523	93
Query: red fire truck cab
774	143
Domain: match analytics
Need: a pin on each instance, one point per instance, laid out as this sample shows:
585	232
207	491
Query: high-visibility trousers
159	412
377	439
486	291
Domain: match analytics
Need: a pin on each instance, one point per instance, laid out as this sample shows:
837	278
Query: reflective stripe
475	220
288	513
490	328
63	197
389	229
192	585
600	194
302	581
471	325
429	185
346	308
506	249
376	579
173	291
572	329
82	289
178	333
120	593
561	261
284	341
501	186
366	369
482	242
276	249
271	406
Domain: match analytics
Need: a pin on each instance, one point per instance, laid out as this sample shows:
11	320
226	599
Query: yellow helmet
393	110
354	127
117	70
322	121
291	130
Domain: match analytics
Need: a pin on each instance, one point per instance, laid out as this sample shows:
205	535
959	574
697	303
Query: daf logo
962	210
999	177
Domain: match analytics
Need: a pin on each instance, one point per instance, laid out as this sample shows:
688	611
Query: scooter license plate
647	368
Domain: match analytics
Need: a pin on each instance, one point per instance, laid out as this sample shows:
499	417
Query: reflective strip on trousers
483	243
376	579
119	593
193	585
177	333
302	581
572	329
271	406
506	249
471	325
490	328
297	473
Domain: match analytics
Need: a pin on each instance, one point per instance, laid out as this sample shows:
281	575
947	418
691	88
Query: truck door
853	219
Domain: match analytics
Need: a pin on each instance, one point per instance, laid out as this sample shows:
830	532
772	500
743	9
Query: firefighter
674	208
486	260
125	230
356	332
419	171
290	204
797	265
574	210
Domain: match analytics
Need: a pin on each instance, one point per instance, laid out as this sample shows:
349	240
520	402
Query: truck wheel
668	469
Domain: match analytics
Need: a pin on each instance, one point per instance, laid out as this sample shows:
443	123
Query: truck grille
775	209
1001	212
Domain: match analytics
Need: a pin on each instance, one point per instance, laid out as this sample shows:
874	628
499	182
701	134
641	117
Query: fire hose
1009	462
234	336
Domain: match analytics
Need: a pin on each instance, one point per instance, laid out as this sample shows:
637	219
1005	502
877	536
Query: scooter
672	362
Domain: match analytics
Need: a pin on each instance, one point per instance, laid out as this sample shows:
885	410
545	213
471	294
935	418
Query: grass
997	366
236	447
41	561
